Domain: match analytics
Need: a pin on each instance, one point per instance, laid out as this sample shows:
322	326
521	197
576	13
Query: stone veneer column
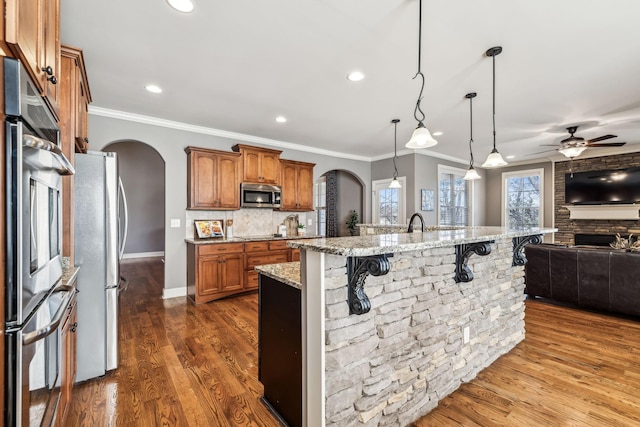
568	227
392	365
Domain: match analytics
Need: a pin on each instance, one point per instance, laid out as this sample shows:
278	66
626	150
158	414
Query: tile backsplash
246	221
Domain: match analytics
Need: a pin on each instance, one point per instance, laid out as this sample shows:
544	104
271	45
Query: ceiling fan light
421	138
494	159
395	183
572	152
471	174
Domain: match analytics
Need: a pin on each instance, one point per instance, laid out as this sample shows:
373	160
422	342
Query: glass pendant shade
471	174
395	183
421	138
494	159
572	152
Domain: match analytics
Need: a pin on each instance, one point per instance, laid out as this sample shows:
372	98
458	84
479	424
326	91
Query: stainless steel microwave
260	195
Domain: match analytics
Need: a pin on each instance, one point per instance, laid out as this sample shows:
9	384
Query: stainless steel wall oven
35	300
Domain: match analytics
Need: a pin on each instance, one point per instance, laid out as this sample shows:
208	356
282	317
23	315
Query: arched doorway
142	170
344	194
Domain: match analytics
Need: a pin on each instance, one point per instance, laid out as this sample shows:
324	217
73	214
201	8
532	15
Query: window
389	203
454	197
522	205
321	206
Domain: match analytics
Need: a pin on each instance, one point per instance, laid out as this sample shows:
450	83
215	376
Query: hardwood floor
187	365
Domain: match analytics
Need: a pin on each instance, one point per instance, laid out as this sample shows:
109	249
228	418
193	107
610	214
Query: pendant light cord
395	139
470	130
494	102
419	73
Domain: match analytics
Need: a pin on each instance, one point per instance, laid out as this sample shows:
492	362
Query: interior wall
350	198
170	144
421	172
494	192
142	173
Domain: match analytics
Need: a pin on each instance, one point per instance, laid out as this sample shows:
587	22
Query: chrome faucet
417	214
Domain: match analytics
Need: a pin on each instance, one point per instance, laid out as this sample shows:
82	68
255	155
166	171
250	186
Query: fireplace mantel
620	212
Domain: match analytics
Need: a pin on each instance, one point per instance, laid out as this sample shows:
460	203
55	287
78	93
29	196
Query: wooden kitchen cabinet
68	344
261	253
212	179
32	32
260	165
214	271
297	185
74	104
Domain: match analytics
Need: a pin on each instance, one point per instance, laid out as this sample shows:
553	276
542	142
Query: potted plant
301	230
351	222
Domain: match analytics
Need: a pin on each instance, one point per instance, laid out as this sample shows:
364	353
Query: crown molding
154	121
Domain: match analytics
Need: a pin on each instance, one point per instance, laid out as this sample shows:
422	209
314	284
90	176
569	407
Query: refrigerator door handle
126	218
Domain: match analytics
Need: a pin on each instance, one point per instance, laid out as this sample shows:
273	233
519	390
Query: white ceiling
235	65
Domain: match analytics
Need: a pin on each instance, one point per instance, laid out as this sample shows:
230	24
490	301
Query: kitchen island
393	323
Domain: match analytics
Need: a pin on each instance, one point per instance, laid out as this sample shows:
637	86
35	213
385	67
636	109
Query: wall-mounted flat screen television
603	187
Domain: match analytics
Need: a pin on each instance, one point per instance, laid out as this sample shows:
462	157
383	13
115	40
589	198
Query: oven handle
47	330
42	144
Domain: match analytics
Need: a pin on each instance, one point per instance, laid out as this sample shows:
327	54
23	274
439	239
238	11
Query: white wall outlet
465	335
309	221
175	223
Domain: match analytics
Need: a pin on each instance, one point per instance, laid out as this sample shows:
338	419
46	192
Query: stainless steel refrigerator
100	236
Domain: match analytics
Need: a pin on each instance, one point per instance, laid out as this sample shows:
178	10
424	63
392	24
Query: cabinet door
209	275
305	188
51	52
227	186
232	272
68	363
251	166
270	168
289	184
203	173
24	32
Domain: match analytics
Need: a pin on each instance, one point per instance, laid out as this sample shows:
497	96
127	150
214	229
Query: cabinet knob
74	327
52	79
48	70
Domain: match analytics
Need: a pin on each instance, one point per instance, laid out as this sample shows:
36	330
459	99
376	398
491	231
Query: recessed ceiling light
511	156
355	76
281	119
437	133
153	88
181	5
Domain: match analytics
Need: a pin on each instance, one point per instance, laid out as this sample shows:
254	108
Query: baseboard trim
143	255
174	293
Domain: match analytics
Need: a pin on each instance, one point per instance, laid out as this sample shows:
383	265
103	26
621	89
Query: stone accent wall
568	227
392	365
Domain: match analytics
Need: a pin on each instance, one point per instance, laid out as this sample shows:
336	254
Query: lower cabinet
68	340
218	270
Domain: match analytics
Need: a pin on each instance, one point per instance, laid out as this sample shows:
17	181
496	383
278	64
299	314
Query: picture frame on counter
209	228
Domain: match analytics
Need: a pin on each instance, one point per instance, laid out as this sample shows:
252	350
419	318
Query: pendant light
421	137
471	172
494	159
394	182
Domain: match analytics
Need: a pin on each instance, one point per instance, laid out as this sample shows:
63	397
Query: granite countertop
244	239
287	272
69	273
415	225
405	242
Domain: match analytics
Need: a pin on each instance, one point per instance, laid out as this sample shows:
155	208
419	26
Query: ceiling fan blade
549	145
602	138
540	152
607	144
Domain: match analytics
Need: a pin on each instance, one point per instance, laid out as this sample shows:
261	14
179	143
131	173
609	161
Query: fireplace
596	239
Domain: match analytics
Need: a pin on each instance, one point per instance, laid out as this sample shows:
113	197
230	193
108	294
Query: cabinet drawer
277	245
219	248
295	254
256	246
251	280
270	258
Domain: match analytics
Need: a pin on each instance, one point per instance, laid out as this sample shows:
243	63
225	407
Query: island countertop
405	242
286	272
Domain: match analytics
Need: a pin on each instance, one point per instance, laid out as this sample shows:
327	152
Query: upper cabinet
297	185
213	179
260	165
32	31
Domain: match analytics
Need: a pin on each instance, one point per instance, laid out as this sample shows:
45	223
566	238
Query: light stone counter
406	242
287	272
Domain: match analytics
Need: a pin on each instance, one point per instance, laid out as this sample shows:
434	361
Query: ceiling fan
573	146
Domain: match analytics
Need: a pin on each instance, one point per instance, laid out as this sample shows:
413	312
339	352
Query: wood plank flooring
186	365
